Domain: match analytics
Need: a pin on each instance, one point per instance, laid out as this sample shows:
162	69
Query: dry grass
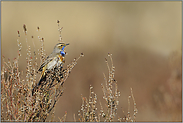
18	104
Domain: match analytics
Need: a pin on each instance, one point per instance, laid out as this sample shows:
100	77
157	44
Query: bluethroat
54	60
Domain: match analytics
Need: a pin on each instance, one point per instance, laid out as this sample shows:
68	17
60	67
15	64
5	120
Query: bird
55	59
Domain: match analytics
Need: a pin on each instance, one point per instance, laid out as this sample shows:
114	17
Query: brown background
144	38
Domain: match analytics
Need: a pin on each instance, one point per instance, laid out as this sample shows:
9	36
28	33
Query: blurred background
143	37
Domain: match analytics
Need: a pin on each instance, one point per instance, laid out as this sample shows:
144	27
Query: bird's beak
66	44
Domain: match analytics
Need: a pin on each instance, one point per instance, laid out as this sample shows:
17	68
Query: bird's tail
43	78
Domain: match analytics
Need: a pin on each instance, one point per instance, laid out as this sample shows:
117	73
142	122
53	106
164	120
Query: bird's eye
62	53
63	47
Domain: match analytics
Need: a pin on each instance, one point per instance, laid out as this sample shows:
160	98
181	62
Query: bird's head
59	48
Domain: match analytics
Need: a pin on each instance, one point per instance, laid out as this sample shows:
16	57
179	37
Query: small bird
55	59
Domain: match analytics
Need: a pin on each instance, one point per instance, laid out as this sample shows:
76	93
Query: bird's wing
49	59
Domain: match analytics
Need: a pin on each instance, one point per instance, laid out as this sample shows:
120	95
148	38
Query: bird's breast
61	59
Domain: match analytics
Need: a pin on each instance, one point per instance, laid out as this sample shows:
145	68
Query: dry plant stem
74	118
111	92
35	65
63	118
60	31
135	108
41	50
19	45
129	118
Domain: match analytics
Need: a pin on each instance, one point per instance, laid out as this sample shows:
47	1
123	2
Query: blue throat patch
62	53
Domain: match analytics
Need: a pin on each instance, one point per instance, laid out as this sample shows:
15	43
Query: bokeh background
143	37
